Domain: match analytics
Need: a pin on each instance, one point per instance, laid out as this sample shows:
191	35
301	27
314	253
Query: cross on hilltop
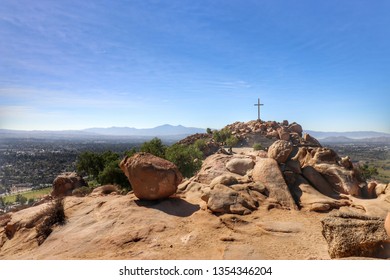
258	108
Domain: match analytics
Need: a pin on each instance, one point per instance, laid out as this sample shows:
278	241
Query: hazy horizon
75	65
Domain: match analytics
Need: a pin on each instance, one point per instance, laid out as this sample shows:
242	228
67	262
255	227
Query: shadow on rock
171	206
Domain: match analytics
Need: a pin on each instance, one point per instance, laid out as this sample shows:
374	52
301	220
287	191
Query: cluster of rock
249	133
287	176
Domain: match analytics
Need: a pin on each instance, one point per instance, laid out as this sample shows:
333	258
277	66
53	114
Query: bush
257	147
221	135
366	171
231	141
21	199
112	174
53	215
188	159
154	147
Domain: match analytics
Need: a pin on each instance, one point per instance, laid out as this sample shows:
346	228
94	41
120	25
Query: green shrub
112	174
21	199
188	159
231	141
221	135
366	171
257	147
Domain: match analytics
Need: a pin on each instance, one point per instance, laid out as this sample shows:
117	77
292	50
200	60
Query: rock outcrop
267	172
352	235
65	183
151	177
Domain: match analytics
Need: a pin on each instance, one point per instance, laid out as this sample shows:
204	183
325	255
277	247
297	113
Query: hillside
298	200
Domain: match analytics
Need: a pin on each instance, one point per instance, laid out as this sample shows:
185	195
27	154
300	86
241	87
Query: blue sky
79	64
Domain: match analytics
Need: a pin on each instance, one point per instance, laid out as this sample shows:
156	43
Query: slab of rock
238	199
240	165
354	235
318	181
342	180
65	183
280	150
267	172
151	177
387	224
308	198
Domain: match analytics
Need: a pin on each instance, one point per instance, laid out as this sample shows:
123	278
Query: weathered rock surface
105	190
267	172
280	150
308	198
240	165
151	177
65	183
387	224
351	235
318	181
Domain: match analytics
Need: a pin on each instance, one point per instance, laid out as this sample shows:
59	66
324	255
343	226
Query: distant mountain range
166	131
162	130
352	136
178	132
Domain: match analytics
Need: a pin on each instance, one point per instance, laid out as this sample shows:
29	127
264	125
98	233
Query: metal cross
258	108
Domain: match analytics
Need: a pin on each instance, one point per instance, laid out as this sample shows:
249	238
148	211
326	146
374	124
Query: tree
209	131
2	202
89	163
112	174
188	159
154	147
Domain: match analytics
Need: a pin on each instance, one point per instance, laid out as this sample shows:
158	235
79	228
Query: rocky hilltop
293	200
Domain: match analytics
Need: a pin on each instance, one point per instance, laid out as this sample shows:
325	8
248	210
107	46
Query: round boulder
151	177
280	150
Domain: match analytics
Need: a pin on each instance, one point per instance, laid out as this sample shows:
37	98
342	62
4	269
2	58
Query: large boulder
267	172
280	150
240	165
354	235
151	177
65	183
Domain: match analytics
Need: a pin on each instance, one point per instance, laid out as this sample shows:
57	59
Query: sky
80	64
